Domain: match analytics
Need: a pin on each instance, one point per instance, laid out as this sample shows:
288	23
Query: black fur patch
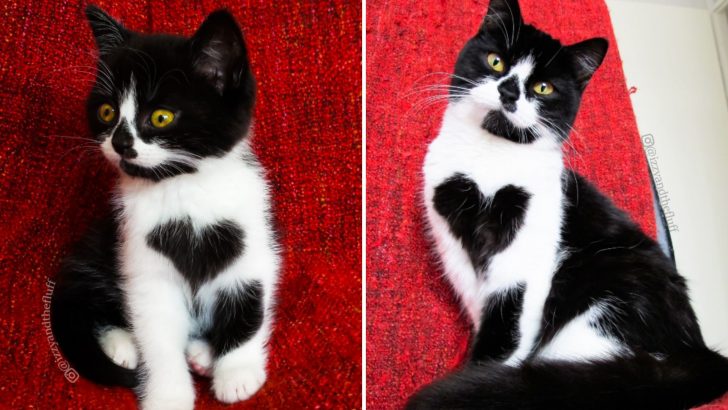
498	336
237	315
158	173
496	123
485	226
198	255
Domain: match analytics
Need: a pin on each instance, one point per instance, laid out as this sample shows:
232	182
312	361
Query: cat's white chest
493	163
462	146
222	189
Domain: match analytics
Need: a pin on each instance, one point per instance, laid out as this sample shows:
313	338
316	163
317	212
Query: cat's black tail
75	331
680	381
86	298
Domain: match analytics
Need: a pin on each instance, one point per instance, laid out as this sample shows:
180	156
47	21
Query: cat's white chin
519	120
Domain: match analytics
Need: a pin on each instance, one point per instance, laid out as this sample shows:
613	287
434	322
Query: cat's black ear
108	32
503	15
218	53
588	56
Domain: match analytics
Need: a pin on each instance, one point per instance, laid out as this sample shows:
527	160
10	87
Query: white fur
200	357
240	373
128	109
118	344
159	299
492	162
581	339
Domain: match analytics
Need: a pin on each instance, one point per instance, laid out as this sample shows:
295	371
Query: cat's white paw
199	357
119	345
238	383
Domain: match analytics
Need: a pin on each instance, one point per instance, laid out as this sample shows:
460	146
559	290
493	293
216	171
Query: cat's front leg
238	336
498	334
161	323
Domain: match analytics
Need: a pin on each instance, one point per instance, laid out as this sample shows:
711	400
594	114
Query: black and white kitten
183	272
573	306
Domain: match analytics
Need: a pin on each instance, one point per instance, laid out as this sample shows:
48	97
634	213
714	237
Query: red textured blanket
306	56
414	331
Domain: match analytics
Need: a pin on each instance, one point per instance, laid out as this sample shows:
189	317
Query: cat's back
610	262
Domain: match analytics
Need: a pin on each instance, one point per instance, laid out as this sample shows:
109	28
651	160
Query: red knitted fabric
414	331
306	57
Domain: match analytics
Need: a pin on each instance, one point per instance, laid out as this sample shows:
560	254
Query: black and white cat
573	306
183	272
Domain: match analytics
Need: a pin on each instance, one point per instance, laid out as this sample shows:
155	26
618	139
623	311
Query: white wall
669	54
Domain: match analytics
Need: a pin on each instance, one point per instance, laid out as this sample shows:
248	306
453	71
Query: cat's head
523	83
162	103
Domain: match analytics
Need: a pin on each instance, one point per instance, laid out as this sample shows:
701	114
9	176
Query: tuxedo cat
573	306
182	274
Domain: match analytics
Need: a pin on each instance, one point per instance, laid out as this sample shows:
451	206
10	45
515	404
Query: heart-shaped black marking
485	226
198	254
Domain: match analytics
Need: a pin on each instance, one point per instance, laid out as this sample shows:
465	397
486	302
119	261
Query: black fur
496	123
610	259
607	262
498	336
237	316
568	68
123	143
87	298
198	254
509	93
158	173
680	382
205	80
485	226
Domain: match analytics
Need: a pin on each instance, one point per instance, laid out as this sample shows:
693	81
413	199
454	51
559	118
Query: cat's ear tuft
503	14
108	32
588	56
218	53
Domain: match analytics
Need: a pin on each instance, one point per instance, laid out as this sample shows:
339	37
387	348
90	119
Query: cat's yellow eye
543	88
162	118
106	113
496	63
